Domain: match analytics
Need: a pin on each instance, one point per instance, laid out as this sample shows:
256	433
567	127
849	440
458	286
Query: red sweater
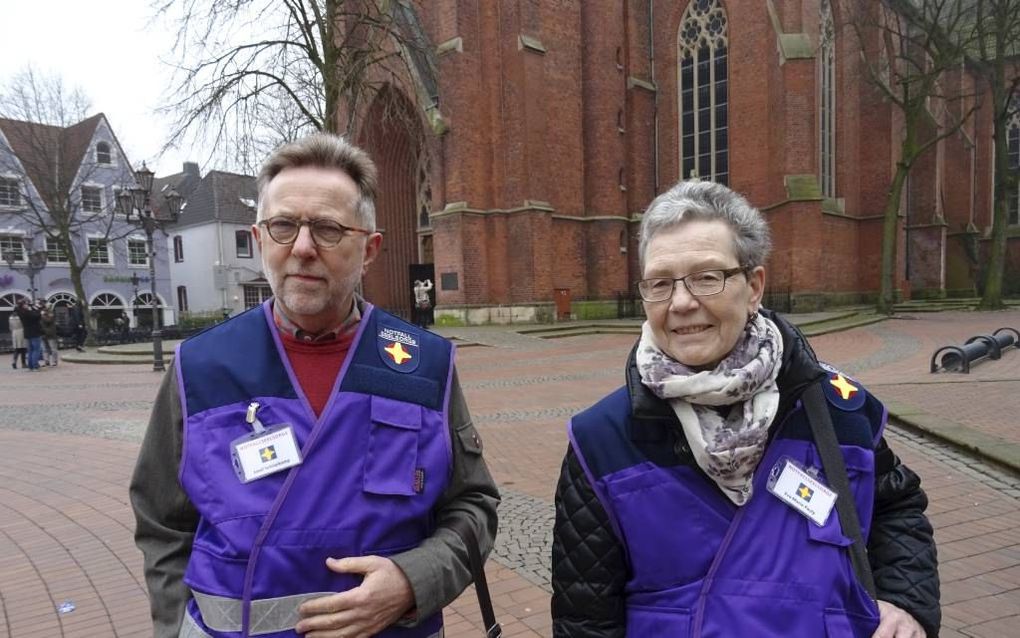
317	365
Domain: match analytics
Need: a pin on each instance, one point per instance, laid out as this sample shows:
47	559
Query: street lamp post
34	264
136	206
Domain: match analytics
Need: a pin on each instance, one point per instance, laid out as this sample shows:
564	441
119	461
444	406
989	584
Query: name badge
793	485
268	451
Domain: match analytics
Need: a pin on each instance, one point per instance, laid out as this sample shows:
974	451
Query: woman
18	343
672	518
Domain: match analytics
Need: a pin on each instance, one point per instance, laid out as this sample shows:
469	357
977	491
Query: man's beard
299	300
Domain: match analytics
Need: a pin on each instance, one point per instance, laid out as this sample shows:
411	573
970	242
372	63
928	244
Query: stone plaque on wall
448	281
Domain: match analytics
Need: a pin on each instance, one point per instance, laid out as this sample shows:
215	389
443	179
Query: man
323	446
78	325
51	345
31	322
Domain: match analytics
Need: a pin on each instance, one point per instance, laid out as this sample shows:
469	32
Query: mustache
305	273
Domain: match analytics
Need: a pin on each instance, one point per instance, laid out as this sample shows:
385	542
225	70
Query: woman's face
699	331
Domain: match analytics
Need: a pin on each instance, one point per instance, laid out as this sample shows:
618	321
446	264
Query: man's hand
896	623
382	598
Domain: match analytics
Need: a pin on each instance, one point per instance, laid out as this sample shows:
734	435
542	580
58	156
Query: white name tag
268	452
801	491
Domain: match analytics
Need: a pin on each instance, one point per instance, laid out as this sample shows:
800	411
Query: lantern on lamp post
136	205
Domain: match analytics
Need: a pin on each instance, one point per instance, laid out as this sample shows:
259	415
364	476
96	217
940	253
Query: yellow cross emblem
396	350
268	453
846	389
805	492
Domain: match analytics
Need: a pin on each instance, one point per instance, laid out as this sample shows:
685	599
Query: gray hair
325	150
707	201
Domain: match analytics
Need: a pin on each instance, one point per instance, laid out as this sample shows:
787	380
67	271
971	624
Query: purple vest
376	461
701	567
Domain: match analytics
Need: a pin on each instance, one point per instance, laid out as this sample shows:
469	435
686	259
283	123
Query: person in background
31	321
78	325
49	330
18	343
693	500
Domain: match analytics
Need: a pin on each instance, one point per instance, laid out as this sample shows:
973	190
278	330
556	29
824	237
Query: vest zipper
699	613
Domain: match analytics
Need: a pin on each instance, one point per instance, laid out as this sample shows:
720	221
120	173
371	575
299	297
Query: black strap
467	534
835	472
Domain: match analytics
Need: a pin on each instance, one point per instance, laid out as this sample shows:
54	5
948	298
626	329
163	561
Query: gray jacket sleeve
438	569
165	518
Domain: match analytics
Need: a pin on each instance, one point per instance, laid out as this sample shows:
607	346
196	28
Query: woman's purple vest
701	567
376	461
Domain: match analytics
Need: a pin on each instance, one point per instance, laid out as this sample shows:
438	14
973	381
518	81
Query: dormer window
103	155
10	191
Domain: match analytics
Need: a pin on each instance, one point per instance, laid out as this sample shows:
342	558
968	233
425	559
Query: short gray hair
707	201
325	150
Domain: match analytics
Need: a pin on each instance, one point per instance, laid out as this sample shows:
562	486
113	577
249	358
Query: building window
255	294
92	199
182	298
10	191
99	251
827	102
138	254
242	239
178	248
1013	157
704	92
13	245
103	155
55	253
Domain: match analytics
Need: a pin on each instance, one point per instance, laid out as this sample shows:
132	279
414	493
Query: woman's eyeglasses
699	284
326	233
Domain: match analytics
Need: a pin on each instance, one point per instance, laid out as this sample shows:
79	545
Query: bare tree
254	73
49	135
992	54
907	59
988	37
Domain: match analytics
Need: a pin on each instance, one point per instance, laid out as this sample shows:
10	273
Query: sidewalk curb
990	448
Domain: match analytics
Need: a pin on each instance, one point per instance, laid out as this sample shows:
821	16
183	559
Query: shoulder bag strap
467	534
835	470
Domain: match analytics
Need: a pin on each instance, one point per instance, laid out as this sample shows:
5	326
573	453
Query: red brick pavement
65	522
892	358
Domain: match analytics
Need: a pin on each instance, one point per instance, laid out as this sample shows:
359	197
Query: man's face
315	286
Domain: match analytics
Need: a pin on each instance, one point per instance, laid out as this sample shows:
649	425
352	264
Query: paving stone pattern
70	435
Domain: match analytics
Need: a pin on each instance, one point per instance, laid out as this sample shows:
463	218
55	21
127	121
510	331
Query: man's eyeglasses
326	233
699	284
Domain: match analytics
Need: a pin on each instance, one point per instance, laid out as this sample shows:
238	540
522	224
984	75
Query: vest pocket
840	624
658	621
392	454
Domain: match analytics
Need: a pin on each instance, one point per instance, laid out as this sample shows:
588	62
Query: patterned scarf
726	412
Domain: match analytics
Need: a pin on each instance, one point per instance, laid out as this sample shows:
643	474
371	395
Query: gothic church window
1013	157
827	101
704	92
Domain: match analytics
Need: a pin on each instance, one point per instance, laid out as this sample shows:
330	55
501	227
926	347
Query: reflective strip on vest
268	615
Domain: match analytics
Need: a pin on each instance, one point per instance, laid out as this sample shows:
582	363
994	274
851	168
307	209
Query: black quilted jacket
588	566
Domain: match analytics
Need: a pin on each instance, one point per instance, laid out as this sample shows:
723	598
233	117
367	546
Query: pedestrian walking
18	343
51	345
308	463
700	498
31	322
78	325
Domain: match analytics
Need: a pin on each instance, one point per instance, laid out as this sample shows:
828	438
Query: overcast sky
113	52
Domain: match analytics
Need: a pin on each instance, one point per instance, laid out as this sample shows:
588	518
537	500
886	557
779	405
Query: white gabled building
214	263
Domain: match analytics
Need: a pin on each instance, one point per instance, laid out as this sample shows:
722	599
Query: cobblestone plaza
69	436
